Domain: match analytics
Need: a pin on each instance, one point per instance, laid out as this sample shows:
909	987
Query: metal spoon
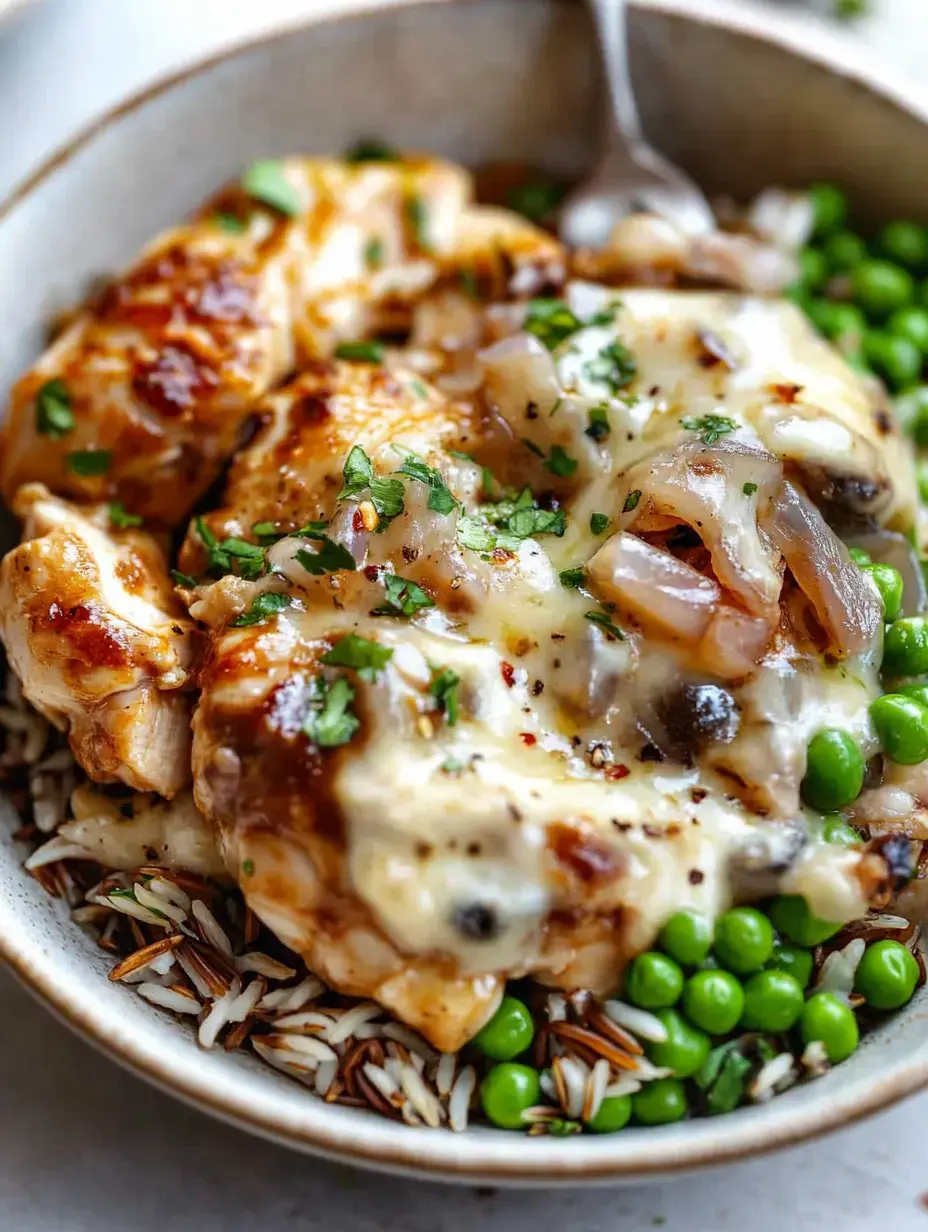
631	176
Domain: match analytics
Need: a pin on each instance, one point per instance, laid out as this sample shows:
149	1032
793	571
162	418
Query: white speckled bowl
741	100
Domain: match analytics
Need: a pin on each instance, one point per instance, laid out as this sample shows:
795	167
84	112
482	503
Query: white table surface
85	1147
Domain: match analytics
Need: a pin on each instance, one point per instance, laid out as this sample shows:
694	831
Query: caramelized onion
517	371
663	593
704	486
845	603
734	643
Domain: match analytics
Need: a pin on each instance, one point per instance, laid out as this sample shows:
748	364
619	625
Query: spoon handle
612	28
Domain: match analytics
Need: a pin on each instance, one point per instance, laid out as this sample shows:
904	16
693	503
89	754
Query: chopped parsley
330	722
89	462
474	533
230	555
230	223
248	867
328	558
711	428
487	482
749	489
444	688
263	606
183	579
598	522
53	414
522	518
614	367
536	201
550	321
560	463
599	428
631	501
365	657
121	518
373	253
370	150
440	499
266	182
386	493
403	597
361	352
605	622
469	285
572	579
417	214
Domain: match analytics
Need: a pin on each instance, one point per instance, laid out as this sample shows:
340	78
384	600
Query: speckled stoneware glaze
740	100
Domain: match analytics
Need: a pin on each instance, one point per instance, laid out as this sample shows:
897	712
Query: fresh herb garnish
530	445
605	622
599	428
749	489
536	201
598	522
440	498
230	223
330	557
265	182
711	428
444	688
474	533
53	414
370	150
722	1077
248	867
572	579
373	253
417	213
121	518
403	597
516	518
614	367
231	555
560	463
262	607
386	493
183	579
487	482
330	723
89	462
361	352
631	501
550	321
365	657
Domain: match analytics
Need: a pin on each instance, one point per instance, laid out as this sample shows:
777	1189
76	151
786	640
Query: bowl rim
373	1143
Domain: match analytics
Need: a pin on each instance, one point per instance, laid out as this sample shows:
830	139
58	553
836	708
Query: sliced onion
734	643
887	547
703	486
661	592
741	261
517	371
845	603
782	218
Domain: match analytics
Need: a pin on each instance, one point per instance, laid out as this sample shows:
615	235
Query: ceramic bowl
740	100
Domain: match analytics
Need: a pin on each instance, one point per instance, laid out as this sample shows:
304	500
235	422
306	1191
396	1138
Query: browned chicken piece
93	630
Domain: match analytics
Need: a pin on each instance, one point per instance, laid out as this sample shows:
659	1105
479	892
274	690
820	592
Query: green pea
905	651
773	1001
843	250
834	770
829	208
912	413
653	981
613	1114
660	1102
921	479
793	917
897	360
687	938
918	691
743	940
794	960
845	325
684	1050
836	830
911	323
888	582
509	1031
507	1091
830	1021
902	726
905	242
881	287
813	269
887	975
714	1001
859	556
821	313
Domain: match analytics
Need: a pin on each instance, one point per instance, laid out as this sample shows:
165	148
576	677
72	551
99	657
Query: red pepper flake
508	673
372	572
528	739
786	392
698	794
617	772
357	522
